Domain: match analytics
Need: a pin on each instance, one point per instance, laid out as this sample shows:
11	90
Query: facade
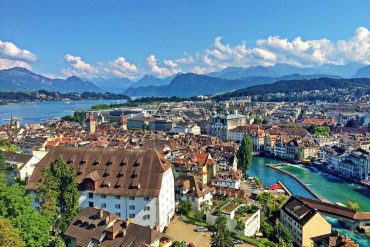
137	122
227	179
187	128
90	123
221	124
192	189
135	184
97	227
232	211
160	125
303	221
20	165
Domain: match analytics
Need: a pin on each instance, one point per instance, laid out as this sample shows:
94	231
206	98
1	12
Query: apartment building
303	221
135	184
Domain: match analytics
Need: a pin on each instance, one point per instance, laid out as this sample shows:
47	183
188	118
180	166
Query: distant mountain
187	85
282	69
238	72
21	79
292	86
149	80
114	84
363	72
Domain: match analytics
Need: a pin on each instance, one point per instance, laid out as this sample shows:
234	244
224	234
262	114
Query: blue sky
132	38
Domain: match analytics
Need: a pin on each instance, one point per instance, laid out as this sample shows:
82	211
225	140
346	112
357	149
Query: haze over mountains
184	85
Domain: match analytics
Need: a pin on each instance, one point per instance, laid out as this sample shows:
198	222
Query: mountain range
184	85
21	79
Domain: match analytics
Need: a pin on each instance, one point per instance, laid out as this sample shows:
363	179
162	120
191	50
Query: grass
261	242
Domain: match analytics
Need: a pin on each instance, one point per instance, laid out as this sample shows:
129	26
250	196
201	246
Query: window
117	206
117	197
132	198
146	217
118	214
91	195
103	205
146	198
91	204
147	208
132	216
132	207
103	196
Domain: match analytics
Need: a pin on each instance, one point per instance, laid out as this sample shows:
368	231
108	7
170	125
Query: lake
35	112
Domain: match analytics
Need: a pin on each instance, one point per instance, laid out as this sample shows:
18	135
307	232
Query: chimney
101	213
107	219
126	223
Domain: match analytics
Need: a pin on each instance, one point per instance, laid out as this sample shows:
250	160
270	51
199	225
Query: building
360	160
303	221
97	227
135	184
122	122
20	166
221	124
192	189
249	216
187	128
90	123
334	240
160	125
138	122
227	179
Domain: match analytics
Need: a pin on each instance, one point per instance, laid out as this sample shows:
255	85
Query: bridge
349	217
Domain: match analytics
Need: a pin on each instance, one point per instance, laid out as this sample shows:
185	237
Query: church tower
90	123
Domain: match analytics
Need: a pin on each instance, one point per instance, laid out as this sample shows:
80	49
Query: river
35	112
330	187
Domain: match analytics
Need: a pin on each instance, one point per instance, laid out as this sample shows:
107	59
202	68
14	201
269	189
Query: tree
16	206
353	205
221	237
58	194
244	153
282	235
271	205
9	235
59	242
266	229
5	145
185	207
240	225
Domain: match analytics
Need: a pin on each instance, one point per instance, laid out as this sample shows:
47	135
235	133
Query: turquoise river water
330	187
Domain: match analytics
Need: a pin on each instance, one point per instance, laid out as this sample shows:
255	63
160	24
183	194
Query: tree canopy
244	154
58	194
221	236
9	235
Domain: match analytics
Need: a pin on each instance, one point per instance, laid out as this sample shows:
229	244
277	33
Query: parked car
237	241
201	229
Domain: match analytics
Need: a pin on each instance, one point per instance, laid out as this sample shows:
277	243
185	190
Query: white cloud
267	52
80	66
8	63
12	56
152	61
11	51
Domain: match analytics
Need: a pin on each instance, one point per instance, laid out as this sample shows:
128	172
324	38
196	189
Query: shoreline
316	196
318	167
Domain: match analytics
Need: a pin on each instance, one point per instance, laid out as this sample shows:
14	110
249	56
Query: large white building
135	184
20	166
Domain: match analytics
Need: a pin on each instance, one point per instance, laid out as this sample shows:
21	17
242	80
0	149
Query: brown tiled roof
116	171
92	223
298	210
17	157
197	188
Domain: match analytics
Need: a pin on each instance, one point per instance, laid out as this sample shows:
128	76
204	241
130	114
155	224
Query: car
201	229
237	241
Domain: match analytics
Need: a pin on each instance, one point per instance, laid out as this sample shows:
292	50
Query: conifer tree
58	194
221	237
244	154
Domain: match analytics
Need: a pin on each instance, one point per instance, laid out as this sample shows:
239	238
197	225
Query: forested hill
295	86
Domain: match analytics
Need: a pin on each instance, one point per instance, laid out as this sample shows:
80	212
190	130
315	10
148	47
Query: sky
132	38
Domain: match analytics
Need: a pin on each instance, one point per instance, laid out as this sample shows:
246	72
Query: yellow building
303	221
